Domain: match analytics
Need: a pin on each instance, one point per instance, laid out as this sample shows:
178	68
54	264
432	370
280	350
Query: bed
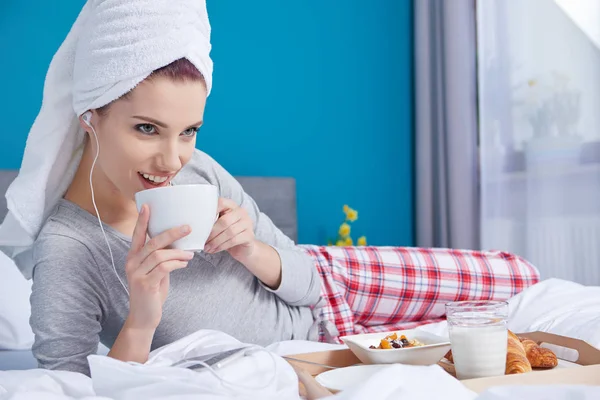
276	197
540	307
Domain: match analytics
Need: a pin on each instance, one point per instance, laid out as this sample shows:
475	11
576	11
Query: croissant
449	357
516	357
538	356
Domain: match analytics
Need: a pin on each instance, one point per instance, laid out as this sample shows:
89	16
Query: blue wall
317	90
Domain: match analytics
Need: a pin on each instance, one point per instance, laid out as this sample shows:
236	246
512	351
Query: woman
252	282
240	284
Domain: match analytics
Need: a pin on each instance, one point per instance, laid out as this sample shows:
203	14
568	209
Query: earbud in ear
87	118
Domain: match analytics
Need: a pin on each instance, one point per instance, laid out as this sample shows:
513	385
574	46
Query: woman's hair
181	70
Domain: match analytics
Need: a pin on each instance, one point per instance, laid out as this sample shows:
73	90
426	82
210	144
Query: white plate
344	378
434	350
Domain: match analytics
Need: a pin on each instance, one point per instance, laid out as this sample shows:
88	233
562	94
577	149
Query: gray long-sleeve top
77	301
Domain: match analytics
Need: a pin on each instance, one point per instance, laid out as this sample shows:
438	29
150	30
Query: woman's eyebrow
162	124
154	121
196	125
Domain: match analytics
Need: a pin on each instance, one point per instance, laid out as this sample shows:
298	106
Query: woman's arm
132	344
264	263
299	282
147	266
66	305
276	261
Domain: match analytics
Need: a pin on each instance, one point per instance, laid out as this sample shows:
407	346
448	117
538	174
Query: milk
478	347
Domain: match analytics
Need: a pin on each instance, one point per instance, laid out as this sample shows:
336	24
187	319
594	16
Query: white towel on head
112	46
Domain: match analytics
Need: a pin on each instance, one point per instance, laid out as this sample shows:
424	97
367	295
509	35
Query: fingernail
185	229
189	254
142	210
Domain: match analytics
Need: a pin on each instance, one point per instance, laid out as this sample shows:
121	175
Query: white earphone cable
237	384
112	260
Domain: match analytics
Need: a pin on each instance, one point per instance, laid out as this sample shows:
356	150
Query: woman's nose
169	156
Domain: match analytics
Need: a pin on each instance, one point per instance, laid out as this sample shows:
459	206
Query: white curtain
539	115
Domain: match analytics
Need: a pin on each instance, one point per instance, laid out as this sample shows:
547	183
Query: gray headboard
276	197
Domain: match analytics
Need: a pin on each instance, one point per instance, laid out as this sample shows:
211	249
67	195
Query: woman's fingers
224	221
241	237
165	239
162	270
140	249
161	256
225	204
141	227
227	234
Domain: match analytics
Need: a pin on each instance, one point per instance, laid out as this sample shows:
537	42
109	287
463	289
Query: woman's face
146	138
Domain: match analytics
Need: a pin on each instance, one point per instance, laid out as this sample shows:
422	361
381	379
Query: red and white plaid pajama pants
378	289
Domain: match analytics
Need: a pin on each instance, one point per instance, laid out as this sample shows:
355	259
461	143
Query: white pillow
560	307
15	332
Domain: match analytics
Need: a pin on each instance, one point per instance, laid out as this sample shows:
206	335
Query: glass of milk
478	336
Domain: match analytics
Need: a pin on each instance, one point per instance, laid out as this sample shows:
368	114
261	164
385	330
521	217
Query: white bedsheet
15	332
556	306
402	382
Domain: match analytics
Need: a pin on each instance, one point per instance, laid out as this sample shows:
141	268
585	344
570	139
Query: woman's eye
146	129
190	132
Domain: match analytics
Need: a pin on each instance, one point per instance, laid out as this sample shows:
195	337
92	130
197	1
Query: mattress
24	359
17	360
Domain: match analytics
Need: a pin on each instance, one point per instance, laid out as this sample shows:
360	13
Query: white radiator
566	248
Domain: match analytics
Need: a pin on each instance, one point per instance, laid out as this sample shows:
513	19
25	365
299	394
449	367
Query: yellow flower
340	243
352	215
348	241
362	241
344	230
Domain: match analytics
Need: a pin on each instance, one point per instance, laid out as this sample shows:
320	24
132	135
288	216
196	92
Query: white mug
173	206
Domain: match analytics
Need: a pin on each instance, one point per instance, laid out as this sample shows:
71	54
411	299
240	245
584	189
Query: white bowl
434	350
